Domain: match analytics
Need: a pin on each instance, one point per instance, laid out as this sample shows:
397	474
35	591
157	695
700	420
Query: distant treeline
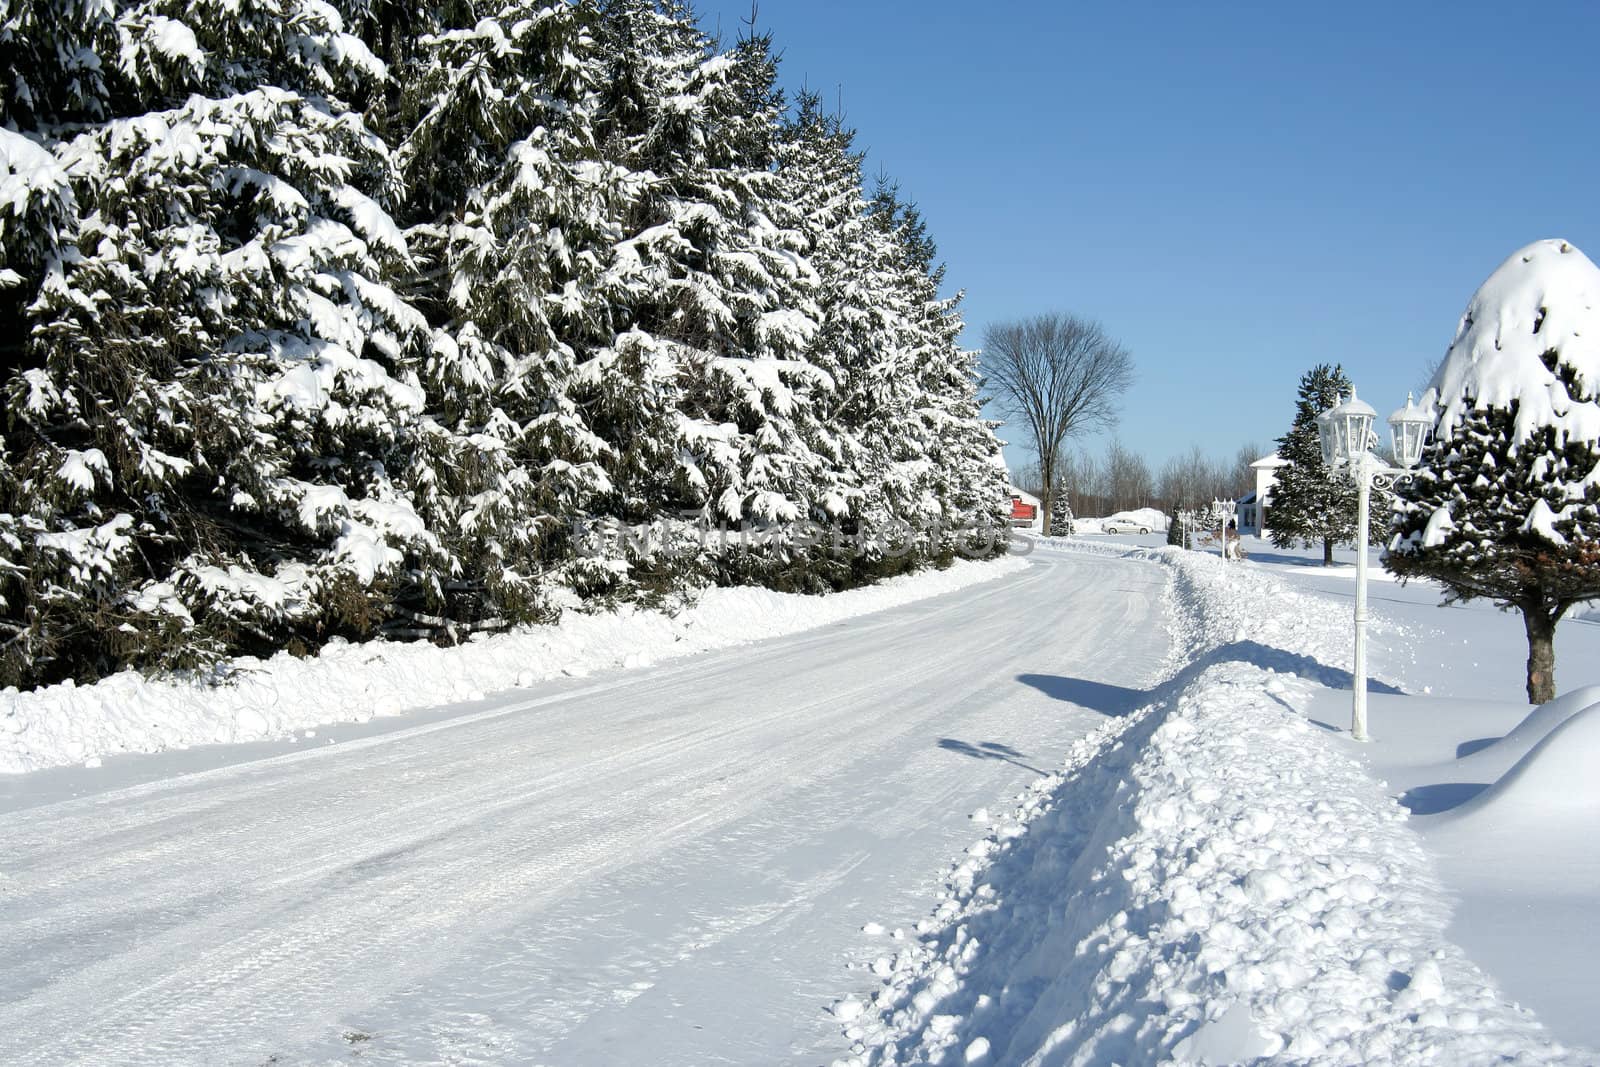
1121	479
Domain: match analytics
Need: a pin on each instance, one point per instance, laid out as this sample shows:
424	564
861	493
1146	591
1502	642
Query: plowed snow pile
1208	880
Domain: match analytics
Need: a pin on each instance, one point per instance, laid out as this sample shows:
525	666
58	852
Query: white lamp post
1347	440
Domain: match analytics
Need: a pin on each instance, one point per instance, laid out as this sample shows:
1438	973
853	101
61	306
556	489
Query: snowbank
1209	880
1550	792
354	682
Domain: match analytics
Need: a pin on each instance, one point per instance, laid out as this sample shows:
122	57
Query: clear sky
1236	191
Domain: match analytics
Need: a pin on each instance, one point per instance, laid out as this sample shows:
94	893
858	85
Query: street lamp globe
1346	430
1327	438
1409	428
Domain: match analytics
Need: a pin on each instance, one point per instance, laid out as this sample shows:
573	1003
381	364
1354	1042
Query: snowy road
667	866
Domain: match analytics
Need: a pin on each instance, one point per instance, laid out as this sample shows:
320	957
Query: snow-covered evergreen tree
821	177
510	200
1506	502
921	391
334	318
1311	502
213	403
1178	528
711	275
1061	520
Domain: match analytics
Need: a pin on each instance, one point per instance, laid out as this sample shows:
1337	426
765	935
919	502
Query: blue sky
1236	191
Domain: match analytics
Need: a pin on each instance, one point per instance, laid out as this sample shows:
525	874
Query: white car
1124	524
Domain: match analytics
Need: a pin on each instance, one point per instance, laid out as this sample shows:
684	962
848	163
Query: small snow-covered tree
1177	528
1310	501
1506	502
1061	524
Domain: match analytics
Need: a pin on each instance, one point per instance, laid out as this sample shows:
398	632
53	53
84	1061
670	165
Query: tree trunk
1541	629
1327	551
1047	496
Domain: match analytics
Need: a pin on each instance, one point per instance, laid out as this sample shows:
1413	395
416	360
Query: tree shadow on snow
1276	659
1109	700
988	750
1115	700
1433	799
1309	561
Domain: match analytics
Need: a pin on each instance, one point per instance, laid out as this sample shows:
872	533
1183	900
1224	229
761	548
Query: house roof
1271	461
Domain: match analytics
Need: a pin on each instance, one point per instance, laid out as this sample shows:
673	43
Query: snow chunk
27	171
1542	302
176	41
79	469
372	221
91	552
1541	521
1440	525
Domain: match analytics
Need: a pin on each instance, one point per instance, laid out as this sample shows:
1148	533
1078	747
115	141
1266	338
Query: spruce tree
1061	523
942	455
712	276
1310	502
503	177
1505	503
1177	528
213	412
352	318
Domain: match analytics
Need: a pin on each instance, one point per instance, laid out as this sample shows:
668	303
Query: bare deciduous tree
1128	482
1190	480
1058	376
1243	480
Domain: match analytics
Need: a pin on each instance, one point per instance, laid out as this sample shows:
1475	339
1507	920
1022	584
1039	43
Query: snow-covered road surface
665	866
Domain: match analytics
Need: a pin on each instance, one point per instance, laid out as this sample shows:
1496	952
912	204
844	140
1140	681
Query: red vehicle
1022	514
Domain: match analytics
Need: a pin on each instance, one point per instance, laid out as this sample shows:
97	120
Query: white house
1251	512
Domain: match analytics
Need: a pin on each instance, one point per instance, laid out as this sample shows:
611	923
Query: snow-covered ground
1172	850
666	865
1222	875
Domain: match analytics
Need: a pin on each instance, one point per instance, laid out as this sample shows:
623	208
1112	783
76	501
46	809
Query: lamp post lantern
1347	440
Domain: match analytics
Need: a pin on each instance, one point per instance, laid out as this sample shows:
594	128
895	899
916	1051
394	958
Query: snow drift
1537	726
1552	790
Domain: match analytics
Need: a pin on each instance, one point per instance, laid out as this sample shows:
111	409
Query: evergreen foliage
1061	520
346	318
1505	504
1310	501
1177	528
